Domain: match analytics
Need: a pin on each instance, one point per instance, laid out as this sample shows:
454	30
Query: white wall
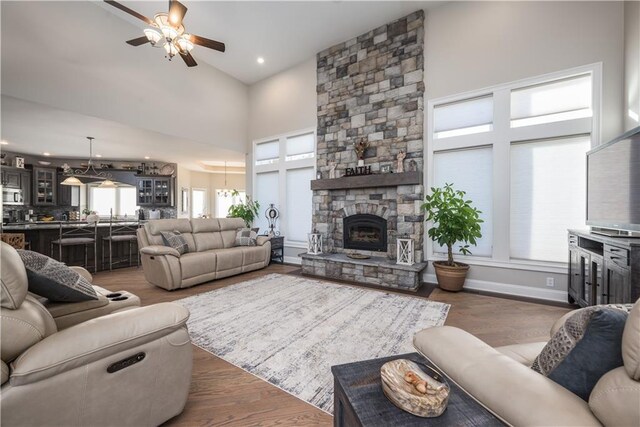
631	64
471	45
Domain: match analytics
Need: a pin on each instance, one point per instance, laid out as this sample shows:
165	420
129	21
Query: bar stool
120	233
81	234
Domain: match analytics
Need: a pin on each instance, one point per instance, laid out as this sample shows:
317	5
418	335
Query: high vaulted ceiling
66	70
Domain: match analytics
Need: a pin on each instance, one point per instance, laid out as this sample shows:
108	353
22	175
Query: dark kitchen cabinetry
68	195
11	177
44	187
155	191
25	185
603	270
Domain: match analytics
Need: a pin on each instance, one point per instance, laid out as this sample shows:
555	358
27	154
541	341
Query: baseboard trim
293	260
508	289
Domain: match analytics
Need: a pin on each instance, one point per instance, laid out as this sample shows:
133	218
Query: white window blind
300	147
470	170
266	188
198	203
464	117
299	204
548	196
564	99
127	198
267	152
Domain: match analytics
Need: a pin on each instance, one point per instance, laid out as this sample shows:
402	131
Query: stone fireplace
370	89
365	231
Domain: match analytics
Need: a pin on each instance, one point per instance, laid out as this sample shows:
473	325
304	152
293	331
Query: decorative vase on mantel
360	162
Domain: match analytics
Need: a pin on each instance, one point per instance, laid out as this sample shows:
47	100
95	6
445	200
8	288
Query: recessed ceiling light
260	60
4	143
46	154
147	157
98	155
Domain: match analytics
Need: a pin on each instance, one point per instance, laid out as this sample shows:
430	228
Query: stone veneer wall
371	88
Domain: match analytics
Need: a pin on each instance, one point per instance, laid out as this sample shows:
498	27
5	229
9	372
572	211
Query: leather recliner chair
127	368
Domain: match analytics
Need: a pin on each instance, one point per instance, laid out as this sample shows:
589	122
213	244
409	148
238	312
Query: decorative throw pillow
246	237
175	240
586	347
54	280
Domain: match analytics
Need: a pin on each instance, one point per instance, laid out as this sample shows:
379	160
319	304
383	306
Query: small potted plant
454	220
247	210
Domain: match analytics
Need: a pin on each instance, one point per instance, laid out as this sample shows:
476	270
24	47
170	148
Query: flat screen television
613	186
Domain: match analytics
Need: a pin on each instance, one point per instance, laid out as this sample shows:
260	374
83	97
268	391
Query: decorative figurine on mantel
360	147
400	158
413	166
332	170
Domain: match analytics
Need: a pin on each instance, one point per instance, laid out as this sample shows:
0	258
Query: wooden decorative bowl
426	396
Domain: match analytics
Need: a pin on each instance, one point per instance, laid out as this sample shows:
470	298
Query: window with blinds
548	196
267	153
471	171
299	204
266	192
463	117
554	101
300	147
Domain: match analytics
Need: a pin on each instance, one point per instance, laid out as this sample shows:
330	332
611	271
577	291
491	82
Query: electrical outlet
551	282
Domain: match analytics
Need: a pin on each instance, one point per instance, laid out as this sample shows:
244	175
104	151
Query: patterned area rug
290	330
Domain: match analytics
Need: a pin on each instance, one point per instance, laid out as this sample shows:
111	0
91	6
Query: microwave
12	196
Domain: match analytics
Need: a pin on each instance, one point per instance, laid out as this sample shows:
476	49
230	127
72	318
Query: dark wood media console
602	269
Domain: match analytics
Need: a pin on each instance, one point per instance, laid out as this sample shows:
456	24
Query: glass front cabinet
44	183
155	191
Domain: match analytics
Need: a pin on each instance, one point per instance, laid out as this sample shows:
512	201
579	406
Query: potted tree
247	210
454	220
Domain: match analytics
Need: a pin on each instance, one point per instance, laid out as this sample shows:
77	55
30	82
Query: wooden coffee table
360	401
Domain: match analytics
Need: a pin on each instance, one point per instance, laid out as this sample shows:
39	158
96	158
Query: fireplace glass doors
365	232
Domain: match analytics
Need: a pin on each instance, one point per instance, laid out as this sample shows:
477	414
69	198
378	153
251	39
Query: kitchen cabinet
11	177
25	185
155	191
44	187
68	195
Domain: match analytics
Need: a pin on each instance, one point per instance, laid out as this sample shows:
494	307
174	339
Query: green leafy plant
247	210
454	220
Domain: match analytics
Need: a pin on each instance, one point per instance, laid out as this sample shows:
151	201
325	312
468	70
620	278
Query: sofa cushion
228	259
204	225
253	255
154	227
523	353
175	240
14	278
246	237
585	348
208	240
631	343
54	280
198	263
228	229
615	399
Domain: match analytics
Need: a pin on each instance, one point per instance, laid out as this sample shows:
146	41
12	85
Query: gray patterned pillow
54	280
587	345
246	237
175	240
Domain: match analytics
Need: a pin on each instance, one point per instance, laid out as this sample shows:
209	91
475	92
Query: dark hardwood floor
225	395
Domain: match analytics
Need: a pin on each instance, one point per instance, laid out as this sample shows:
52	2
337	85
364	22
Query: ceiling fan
166	30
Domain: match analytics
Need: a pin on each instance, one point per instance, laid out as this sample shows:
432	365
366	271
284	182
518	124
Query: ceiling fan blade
211	44
176	12
139	41
188	59
129	11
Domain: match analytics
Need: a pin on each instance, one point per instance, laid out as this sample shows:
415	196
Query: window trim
501	137
206	208
281	166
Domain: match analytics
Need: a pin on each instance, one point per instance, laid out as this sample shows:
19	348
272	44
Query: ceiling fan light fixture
171	49
154	36
184	43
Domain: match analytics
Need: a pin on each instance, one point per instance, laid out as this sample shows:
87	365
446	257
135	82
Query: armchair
132	367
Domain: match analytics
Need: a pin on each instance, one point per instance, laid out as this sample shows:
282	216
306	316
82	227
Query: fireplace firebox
366	232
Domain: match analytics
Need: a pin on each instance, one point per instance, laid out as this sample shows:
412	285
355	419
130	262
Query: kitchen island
40	234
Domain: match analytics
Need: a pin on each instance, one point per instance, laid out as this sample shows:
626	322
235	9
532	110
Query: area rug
290	330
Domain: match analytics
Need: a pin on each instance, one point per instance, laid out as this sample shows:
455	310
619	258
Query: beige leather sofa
212	252
501	379
85	375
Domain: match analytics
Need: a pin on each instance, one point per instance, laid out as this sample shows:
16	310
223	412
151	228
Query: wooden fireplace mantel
368	181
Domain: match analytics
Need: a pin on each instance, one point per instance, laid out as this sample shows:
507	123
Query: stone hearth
370	89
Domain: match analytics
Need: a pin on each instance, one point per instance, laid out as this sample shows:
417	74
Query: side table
277	249
360	401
